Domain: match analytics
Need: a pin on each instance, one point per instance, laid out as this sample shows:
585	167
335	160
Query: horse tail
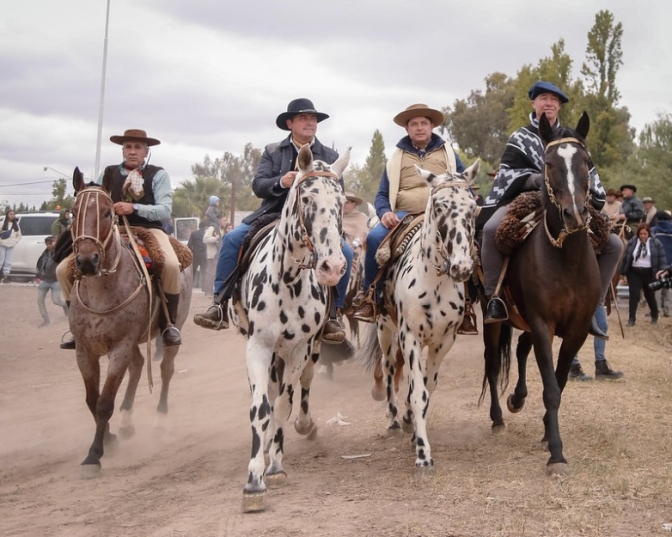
503	364
369	352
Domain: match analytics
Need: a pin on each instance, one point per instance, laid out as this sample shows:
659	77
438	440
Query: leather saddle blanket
396	241
526	212
150	250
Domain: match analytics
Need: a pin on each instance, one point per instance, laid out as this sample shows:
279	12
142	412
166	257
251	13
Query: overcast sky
208	76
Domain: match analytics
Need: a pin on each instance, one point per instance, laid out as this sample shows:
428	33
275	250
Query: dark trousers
638	280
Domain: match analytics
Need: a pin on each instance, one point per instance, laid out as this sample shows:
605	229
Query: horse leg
386	342
167	372
258	362
399	371
543	341
126	427
378	389
418	396
304	424
118	363
516	401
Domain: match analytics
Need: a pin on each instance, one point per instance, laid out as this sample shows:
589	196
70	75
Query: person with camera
644	258
662	231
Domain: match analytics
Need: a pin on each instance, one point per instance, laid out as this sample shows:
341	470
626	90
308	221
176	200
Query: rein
444	268
554	200
302	225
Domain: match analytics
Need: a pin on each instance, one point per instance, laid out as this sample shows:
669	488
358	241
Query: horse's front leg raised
126	427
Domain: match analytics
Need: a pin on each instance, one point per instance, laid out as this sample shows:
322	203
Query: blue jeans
599	344
373	240
42	290
228	259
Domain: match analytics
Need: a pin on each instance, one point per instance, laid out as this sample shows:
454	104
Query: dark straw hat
298	106
134	135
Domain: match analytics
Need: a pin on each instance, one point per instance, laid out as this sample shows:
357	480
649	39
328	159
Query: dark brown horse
109	315
554	280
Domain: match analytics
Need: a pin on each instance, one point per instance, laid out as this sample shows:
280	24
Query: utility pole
102	95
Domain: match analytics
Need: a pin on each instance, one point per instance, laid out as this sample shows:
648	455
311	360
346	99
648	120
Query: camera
665	283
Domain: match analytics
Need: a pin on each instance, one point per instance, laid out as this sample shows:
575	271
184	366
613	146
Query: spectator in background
62	224
46	273
212	238
632	208
663	232
649	210
213	214
10	235
644	257
612	207
355	223
198	250
228	228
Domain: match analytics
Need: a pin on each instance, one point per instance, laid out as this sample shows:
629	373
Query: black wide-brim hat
298	106
631	187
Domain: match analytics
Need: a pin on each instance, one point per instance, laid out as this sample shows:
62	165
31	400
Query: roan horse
110	315
554	281
424	301
280	305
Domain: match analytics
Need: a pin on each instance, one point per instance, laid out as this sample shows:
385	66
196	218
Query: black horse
554	280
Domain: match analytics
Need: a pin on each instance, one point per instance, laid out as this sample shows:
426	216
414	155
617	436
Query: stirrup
496	311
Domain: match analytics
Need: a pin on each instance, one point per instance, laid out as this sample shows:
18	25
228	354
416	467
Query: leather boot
596	331
334	331
169	333
576	373
469	324
68	344
496	312
604	371
216	317
365	309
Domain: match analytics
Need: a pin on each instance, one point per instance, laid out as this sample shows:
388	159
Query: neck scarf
642	252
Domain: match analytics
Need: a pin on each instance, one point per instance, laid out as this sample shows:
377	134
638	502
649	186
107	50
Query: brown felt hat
351	197
419	110
613	192
134	135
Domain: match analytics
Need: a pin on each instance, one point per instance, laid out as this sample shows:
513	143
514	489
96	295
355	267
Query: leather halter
444	268
551	196
302	226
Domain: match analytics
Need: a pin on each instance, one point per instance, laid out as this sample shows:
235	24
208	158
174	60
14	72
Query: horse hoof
378	393
394	429
499	429
511	407
544	445
408	428
424	472
253	502
304	430
557	469
127	432
312	435
89	471
160	422
275	481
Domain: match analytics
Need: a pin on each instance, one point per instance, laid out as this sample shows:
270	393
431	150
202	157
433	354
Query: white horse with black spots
423	301
281	305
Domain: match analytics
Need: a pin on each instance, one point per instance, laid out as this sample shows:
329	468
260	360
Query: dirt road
187	480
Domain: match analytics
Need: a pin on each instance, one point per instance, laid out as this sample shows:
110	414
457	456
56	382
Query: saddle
151	252
396	241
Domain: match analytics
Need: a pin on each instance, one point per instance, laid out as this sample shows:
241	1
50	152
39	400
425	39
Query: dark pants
638	280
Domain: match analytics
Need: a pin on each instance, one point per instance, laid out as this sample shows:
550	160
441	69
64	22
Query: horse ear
583	126
545	129
305	158
77	180
472	171
427	176
341	164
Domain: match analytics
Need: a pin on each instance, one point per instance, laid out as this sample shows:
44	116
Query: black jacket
46	266
276	161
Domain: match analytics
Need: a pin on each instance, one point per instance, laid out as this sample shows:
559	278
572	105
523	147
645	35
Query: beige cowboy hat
419	110
351	197
134	135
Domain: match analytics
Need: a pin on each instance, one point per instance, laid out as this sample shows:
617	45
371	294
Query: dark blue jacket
658	259
663	232
276	160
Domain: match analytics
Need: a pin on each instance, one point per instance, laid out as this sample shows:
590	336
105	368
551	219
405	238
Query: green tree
59	197
365	180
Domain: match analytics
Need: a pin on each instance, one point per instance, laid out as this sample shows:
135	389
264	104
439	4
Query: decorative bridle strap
551	196
304	233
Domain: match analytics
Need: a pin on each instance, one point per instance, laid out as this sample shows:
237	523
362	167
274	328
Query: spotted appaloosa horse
281	305
554	281
109	315
424	301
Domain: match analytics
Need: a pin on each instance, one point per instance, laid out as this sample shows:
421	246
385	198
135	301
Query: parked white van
35	227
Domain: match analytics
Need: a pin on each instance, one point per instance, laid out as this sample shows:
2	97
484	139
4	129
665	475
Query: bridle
444	267
564	233
80	222
305	238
